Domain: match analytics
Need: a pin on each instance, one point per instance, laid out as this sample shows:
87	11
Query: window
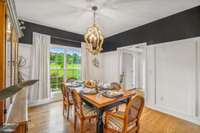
65	62
73	63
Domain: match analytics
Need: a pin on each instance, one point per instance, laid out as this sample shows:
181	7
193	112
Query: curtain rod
60	38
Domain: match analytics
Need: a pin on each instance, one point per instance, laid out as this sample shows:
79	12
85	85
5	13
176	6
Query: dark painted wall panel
31	27
179	26
65	42
182	25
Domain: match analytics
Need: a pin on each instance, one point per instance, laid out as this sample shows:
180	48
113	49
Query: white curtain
40	69
84	62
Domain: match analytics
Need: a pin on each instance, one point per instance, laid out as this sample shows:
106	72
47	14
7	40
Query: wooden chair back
134	110
116	86
66	94
77	102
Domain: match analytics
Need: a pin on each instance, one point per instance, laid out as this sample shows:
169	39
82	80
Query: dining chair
116	86
71	79
67	100
128	120
82	111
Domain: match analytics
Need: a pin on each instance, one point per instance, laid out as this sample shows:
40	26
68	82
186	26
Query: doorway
133	67
128	70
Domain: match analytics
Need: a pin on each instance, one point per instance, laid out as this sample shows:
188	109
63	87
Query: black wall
182	25
179	26
57	36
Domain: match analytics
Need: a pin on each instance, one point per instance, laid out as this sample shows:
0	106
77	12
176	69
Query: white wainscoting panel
110	62
95	73
173	77
142	70
150	76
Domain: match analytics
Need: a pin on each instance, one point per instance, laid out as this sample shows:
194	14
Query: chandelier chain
94	14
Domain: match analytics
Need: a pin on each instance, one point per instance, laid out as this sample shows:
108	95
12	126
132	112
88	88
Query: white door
128	70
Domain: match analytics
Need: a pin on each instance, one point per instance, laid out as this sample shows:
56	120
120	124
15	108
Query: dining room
109	66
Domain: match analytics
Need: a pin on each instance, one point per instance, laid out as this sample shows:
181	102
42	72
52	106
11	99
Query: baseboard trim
188	118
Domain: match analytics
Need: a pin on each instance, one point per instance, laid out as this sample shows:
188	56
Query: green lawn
60	66
58	73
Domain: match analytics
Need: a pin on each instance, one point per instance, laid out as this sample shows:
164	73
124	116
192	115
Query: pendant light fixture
94	38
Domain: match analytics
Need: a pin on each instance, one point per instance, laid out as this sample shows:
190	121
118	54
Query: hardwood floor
49	119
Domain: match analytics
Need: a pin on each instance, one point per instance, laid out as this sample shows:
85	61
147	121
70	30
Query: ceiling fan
106	8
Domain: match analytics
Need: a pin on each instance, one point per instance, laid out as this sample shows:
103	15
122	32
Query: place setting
106	90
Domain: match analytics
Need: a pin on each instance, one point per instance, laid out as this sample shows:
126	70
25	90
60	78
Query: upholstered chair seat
88	111
117	124
127	121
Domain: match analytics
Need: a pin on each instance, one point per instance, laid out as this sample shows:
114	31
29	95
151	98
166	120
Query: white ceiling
113	16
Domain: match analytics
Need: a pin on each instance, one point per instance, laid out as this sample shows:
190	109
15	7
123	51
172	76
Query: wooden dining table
103	104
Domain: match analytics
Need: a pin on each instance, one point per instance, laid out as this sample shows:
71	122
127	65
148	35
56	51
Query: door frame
124	49
133	72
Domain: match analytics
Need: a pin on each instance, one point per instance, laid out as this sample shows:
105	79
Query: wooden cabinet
2	54
11	57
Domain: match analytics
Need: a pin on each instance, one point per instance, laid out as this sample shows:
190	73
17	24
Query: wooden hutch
14	109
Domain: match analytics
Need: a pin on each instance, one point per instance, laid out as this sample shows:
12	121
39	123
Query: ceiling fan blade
62	12
79	4
123	1
68	18
10	91
111	13
115	4
85	17
102	15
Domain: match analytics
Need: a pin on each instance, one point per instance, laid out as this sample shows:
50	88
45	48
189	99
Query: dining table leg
99	128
